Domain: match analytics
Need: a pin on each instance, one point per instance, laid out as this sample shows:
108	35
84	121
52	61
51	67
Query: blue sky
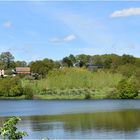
33	30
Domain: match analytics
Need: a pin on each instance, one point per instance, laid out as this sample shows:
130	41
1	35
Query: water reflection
127	120
76	119
117	123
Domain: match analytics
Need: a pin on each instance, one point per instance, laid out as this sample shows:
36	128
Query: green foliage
9	129
80	93
87	96
107	63
10	87
128	59
15	91
8	72
48	79
81	78
128	88
137	74
42	67
8	60
57	64
28	92
112	93
20	64
1	65
77	83
67	62
128	70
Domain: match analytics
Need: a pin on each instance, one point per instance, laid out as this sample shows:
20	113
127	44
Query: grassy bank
75	84
12	98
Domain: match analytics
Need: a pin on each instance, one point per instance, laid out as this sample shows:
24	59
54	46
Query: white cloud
126	12
69	38
65	39
7	24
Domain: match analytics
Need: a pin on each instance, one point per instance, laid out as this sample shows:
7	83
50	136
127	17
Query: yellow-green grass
75	78
82	78
75	83
12	98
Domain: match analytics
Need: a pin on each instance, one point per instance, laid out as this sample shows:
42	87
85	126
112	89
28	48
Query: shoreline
42	97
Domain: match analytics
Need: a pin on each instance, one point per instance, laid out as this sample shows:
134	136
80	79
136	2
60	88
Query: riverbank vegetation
74	77
9	130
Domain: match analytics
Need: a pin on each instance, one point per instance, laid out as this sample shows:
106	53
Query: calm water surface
75	119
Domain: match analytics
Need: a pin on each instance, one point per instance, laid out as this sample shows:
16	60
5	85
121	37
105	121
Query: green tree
137	62
10	87
72	58
8	59
67	62
83	59
9	130
57	64
1	65
42	67
110	61
20	64
97	60
128	59
107	63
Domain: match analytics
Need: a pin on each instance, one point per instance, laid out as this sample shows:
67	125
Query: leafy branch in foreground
9	129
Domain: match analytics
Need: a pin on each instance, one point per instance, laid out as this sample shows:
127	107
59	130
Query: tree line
125	64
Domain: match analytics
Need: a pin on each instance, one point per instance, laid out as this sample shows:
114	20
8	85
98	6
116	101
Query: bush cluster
128	88
83	93
9	130
28	92
10	87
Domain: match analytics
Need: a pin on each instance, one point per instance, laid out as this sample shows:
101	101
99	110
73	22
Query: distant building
92	67
22	70
2	73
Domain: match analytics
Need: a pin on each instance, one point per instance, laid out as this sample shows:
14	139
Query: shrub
129	70
9	130
28	92
8	72
128	88
87	96
15	91
10	87
112	93
29	77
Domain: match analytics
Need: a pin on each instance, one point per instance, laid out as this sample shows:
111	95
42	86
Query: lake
75	119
